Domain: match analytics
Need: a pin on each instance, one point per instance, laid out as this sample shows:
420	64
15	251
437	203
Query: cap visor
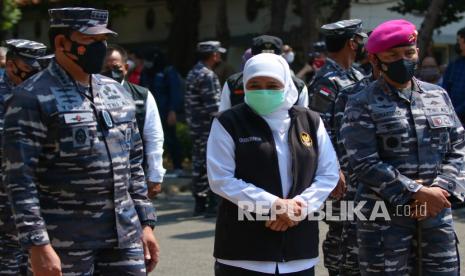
97	30
46	57
222	50
362	34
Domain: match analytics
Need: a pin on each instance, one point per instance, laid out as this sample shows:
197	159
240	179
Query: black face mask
457	49
91	56
114	73
400	71
360	53
23	75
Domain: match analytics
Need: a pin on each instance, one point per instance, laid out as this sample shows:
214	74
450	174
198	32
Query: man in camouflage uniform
72	160
406	147
202	101
21	63
328	95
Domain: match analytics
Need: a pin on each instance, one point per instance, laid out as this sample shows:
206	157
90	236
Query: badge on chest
75	118
439	121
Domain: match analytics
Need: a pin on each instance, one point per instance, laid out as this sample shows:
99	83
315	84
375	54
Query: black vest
139	95
236	88
257	163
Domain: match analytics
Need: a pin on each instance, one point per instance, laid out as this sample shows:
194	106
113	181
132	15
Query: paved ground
187	243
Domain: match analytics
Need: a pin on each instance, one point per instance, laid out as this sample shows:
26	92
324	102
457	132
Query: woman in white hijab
272	163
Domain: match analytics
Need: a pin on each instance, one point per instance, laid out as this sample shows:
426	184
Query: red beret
391	34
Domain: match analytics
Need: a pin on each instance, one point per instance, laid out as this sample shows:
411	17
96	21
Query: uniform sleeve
340	105
452	164
225	101
221	165
303	97
326	176
153	141
322	101
209	87
359	135
24	134
137	184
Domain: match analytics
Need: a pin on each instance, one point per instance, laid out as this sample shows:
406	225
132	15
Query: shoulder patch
325	91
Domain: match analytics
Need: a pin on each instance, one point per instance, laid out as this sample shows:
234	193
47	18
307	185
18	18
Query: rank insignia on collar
306	139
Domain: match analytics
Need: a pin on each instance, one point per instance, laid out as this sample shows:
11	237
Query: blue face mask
264	101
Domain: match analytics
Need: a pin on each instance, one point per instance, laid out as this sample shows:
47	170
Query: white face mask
289	57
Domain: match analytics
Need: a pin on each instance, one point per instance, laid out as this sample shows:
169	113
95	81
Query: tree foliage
10	14
450	13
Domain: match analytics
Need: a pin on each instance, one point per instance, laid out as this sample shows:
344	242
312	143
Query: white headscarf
276	67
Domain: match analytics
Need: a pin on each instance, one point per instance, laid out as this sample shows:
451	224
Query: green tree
10	15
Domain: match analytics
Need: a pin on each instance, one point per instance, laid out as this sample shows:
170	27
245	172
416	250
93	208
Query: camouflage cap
210	47
267	44
84	20
344	28
28	50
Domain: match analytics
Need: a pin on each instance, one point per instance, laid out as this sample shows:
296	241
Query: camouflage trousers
13	259
332	243
106	261
349	246
349	250
390	247
200	187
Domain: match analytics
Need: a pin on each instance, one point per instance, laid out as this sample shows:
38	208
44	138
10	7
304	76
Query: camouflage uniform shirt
329	93
73	182
396	137
7	227
202	97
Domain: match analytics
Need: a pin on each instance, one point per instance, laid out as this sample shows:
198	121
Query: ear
373	60
126	68
60	43
352	44
9	65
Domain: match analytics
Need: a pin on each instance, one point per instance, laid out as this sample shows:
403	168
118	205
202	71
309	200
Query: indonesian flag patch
325	91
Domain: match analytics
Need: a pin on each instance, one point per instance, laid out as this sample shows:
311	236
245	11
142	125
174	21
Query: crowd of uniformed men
80	149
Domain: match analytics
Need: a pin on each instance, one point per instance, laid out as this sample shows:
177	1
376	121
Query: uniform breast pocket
439	126
123	131
77	139
322	99
392	137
